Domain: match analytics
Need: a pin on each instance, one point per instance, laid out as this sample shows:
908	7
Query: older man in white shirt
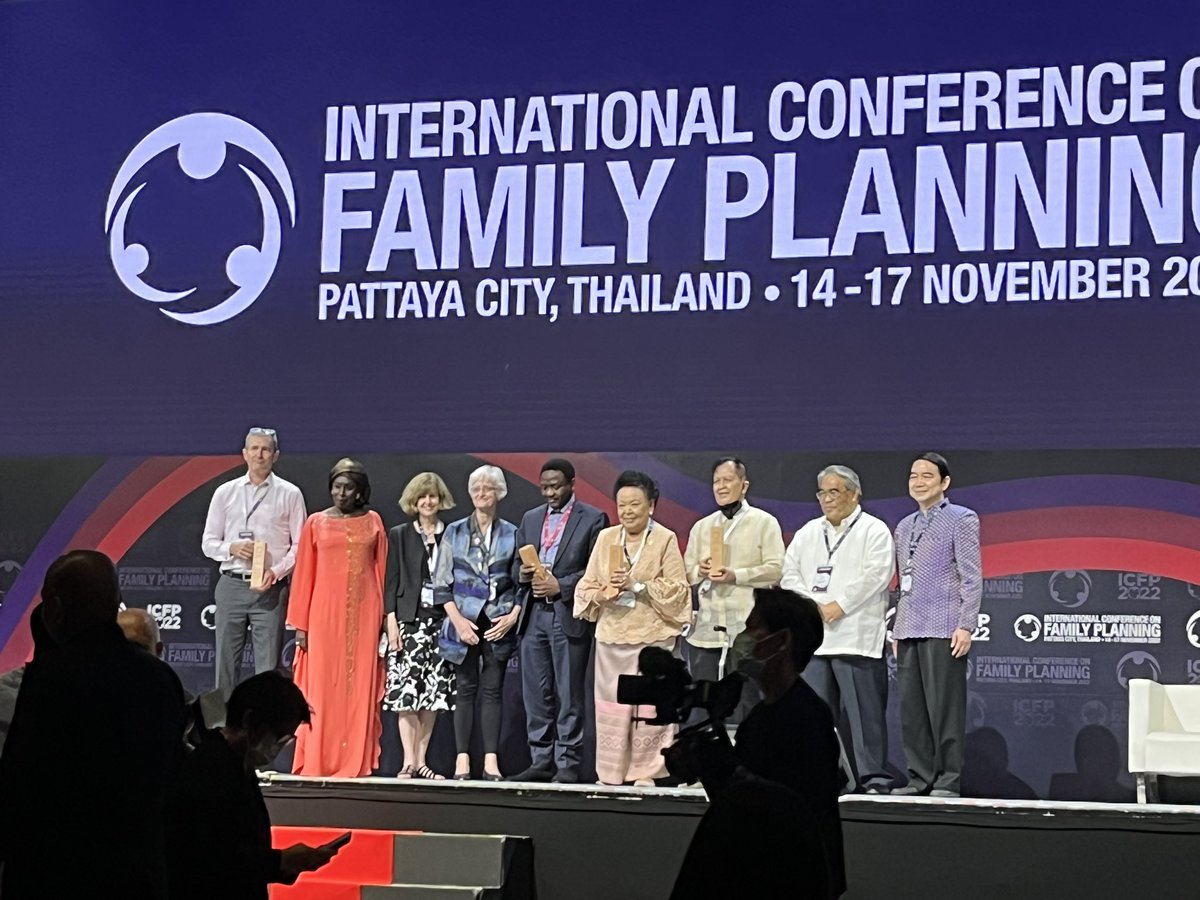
258	506
844	560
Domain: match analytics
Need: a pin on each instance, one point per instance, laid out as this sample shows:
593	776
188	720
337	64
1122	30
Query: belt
246	576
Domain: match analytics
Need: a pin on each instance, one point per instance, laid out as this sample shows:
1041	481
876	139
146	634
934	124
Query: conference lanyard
914	538
257	504
482	541
549	539
706	584
431	550
825	533
431	556
645	535
486	544
733	523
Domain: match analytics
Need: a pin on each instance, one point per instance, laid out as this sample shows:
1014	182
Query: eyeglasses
284	741
268	433
830	495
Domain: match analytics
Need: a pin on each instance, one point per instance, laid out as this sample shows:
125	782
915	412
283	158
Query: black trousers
553	669
933	712
857	685
480	675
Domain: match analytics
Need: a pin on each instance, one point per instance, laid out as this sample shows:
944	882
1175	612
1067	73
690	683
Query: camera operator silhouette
774	791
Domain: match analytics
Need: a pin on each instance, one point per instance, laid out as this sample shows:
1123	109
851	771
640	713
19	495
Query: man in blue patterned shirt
937	553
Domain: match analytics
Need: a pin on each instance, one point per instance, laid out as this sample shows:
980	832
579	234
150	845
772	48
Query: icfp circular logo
1193	629
1137	664
202	139
9	570
1094	712
976	712
1070	588
208	617
1027	627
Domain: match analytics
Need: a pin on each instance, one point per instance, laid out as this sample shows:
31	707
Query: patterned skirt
417	678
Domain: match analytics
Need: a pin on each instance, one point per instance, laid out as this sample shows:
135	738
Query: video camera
665	684
701	752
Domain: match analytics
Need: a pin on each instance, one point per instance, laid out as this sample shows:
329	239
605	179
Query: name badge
245	535
821	582
626	599
427	595
906	583
705	586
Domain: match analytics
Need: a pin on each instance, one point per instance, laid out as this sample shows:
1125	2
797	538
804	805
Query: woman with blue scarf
474	585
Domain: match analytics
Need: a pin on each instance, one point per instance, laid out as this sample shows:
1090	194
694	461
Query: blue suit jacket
463	576
574	549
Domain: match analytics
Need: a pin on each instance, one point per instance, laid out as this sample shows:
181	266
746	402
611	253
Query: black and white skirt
417	678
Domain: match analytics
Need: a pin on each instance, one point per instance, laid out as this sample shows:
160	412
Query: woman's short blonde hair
420	486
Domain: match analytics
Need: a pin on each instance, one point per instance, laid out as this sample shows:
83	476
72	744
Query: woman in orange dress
336	607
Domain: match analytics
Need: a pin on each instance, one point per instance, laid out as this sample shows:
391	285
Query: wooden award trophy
616	560
258	567
529	556
716	552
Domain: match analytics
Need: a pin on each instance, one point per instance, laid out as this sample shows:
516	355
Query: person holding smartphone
218	828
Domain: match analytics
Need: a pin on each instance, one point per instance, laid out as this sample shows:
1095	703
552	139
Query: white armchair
1164	732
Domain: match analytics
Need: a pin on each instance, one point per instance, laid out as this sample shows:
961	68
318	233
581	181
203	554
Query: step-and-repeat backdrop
1087	561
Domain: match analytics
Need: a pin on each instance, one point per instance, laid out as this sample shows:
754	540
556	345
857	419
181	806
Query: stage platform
593	841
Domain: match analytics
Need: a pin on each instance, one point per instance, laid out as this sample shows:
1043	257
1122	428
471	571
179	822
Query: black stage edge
599	842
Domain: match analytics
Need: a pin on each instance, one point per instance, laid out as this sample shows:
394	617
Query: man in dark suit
554	644
96	697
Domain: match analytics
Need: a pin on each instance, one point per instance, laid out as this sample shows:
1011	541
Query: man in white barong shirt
844	560
753	555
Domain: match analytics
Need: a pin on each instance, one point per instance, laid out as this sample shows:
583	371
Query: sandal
407	772
428	774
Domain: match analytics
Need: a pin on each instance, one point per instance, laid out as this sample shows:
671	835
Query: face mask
747	663
264	752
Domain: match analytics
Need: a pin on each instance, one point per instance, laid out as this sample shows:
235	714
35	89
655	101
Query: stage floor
596	841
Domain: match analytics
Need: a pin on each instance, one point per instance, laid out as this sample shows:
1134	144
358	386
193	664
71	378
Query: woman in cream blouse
643	603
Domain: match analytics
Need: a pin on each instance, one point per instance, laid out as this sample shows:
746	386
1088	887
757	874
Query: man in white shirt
258	506
753	556
844	560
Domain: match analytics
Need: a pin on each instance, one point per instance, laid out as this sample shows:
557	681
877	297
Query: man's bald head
141	628
80	591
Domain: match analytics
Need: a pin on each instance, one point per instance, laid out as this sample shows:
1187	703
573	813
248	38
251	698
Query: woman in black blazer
420	684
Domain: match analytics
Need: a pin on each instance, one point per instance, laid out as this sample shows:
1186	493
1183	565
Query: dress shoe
941	792
909	790
566	776
489	776
533	773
